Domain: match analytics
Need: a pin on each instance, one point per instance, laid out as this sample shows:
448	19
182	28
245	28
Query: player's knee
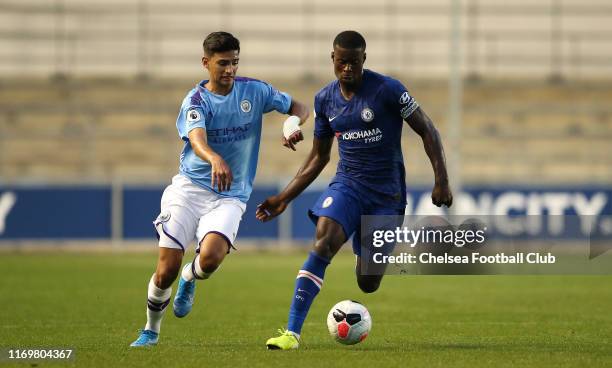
210	259
168	267
324	248
368	283
165	276
327	244
209	262
213	250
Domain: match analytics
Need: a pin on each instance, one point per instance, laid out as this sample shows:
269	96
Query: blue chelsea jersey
368	128
233	130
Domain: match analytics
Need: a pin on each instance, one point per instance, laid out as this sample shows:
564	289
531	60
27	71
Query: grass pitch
96	303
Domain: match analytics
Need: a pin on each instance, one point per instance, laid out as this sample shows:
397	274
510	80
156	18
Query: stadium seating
96	130
109	109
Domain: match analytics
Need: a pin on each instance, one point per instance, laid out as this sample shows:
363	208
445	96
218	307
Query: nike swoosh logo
330	119
302	290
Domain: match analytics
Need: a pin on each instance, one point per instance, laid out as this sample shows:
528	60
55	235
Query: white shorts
189	212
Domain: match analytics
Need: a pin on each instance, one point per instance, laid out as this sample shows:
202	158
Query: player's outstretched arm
424	127
221	174
292	134
310	170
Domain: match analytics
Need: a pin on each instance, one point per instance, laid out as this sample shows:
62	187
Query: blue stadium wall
85	212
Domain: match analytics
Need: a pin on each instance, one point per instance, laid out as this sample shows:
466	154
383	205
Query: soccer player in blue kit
220	124
365	111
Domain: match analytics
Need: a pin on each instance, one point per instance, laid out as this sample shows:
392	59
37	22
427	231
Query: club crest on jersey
193	116
404	98
367	115
327	202
245	106
164	216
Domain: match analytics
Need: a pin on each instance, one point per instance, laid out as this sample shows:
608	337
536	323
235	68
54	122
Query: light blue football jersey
233	130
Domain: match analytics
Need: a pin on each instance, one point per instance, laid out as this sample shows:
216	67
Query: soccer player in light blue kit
365	111
220	123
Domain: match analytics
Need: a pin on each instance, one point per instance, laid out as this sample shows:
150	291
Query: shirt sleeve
399	99
189	118
322	128
275	99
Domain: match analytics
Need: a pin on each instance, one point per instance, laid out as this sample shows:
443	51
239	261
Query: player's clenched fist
220	174
441	194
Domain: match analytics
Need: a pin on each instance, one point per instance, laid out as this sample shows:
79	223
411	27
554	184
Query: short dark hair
220	42
350	40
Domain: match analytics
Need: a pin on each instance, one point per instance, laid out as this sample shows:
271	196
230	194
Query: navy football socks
307	285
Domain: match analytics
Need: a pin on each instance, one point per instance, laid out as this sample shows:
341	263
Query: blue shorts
345	205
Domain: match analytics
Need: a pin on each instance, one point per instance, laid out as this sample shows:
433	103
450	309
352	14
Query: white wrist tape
290	126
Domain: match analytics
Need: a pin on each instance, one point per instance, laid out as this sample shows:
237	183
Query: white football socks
157	301
194	267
